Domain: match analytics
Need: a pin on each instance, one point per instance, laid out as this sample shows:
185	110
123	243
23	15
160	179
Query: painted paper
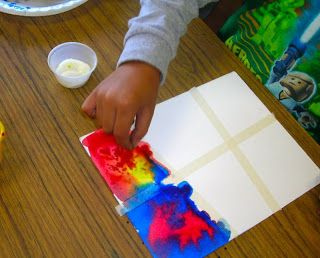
230	160
169	222
172	225
126	172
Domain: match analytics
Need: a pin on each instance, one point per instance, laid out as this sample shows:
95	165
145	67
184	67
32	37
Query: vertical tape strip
215	121
233	146
230	144
222	148
251	172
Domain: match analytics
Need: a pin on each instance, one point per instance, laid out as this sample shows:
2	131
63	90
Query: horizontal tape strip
232	144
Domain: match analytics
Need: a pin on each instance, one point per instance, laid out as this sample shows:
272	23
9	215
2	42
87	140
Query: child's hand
129	93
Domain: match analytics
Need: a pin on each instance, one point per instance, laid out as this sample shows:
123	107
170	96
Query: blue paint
171	225
159	171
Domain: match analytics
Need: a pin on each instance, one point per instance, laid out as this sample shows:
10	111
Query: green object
261	31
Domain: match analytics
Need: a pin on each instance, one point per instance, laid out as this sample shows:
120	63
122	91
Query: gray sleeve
154	35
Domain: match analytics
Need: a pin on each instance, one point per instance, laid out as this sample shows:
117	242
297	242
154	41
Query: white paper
225	185
233	102
181	133
281	163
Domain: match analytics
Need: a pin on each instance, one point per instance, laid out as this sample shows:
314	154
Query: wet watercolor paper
169	222
173	226
221	163
126	172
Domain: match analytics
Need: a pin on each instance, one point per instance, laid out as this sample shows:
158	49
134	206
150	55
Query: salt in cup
72	50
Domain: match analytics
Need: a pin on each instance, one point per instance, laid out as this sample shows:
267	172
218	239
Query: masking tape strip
154	190
222	148
209	113
255	128
233	146
187	170
138	199
262	188
229	144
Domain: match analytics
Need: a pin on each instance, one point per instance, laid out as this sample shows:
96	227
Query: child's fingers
143	120
122	125
89	105
107	117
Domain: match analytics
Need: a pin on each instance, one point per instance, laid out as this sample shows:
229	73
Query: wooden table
53	202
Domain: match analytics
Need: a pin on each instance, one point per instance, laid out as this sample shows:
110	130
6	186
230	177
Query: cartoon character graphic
292	54
293	91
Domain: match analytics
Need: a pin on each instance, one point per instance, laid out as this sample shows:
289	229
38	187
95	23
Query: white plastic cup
74	50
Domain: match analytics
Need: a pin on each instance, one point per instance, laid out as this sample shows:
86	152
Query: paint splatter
126	172
172	225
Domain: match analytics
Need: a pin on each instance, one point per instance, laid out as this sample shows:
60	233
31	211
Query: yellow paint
142	171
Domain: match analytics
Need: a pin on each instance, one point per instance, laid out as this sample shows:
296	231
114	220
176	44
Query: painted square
126	172
172	225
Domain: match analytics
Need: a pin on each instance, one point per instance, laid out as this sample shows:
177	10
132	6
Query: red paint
189	226
114	162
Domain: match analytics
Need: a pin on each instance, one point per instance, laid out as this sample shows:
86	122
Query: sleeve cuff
150	49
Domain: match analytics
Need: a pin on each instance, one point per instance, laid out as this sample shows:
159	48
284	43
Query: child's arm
130	92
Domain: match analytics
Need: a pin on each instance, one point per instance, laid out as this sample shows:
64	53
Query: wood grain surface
53	202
